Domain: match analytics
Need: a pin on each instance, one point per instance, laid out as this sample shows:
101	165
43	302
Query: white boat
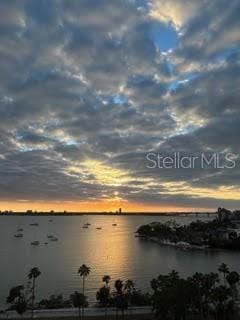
18	235
54	239
35	243
183	245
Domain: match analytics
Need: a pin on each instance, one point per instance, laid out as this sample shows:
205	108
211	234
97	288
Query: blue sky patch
164	36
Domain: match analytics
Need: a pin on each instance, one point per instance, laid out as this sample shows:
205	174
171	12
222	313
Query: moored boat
35	243
18	235
54	239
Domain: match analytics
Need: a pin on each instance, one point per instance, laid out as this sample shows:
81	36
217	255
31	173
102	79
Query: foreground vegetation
123	296
201	296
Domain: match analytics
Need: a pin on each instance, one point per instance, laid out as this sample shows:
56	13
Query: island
223	232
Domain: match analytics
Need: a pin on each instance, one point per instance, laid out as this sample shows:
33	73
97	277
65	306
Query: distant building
224	214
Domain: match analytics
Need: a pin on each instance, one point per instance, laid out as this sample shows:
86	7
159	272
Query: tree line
201	296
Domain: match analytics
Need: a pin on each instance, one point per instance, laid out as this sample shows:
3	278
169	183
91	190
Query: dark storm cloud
86	80
37	171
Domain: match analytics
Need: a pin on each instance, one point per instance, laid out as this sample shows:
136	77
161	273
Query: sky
88	88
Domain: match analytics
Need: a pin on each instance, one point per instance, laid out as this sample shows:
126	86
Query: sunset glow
89	89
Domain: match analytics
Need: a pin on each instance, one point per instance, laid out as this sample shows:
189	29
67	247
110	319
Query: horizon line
51	212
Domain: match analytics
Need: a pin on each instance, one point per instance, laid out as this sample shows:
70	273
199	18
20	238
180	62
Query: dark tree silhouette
121	302
103	297
83	271
233	279
223	268
197	297
17	299
79	301
33	275
129	288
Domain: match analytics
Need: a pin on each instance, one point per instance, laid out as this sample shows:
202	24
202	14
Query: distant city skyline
89	88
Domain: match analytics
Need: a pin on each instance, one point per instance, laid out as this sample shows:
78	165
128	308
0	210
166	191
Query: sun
102	173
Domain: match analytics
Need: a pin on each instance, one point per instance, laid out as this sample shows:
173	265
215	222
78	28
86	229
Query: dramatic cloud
177	12
88	88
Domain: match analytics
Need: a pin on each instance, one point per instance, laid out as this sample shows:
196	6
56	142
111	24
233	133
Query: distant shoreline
169	214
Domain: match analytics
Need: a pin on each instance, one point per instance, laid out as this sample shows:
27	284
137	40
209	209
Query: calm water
112	250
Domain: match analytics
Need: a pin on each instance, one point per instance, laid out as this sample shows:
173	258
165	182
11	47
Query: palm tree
79	301
223	268
84	271
33	274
